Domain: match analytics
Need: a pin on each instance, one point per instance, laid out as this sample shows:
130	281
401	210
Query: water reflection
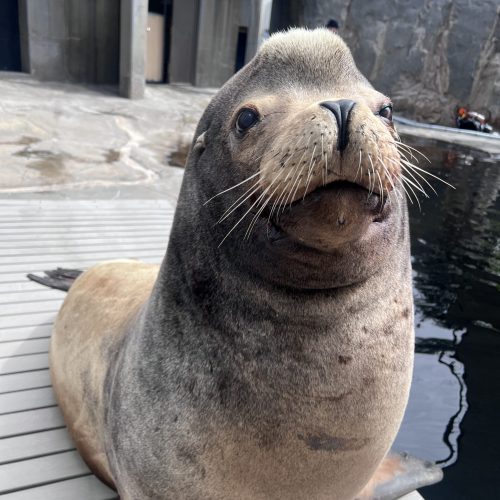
452	416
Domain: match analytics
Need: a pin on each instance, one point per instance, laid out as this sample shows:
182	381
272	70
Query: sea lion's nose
341	110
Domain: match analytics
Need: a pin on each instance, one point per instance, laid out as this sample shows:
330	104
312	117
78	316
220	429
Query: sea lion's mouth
329	216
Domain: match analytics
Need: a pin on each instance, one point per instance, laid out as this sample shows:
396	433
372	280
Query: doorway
158	40
241	48
10	41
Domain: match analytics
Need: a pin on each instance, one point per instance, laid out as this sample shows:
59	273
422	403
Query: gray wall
73	40
204	39
184	41
132	50
217	37
428	55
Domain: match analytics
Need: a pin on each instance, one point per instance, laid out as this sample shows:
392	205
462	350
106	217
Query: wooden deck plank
25	332
74	217
23	347
81	488
14	261
36	295
34	251
26	400
19	284
39	471
23	381
70	242
86	227
37	457
25	422
31	307
27	319
27	363
35	445
74	239
77	263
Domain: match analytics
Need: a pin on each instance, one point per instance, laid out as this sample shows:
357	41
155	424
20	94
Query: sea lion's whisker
413	149
389	178
400	180
231	188
381	188
298	176
240	201
370	185
264	204
296	184
409	185
276	204
324	171
298	164
403	156
360	169
292	180
289	196
245	214
420	169
310	171
309	180
283	183
416	185
410	168
402	147
417	182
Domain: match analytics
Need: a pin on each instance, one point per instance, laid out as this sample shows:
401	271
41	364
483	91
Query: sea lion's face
327	161
309	163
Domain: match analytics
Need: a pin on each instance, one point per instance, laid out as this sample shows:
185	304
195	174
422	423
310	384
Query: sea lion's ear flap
200	144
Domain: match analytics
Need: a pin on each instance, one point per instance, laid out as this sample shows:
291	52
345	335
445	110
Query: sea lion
270	355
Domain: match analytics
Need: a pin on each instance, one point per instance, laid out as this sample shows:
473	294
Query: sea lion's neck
225	289
213	295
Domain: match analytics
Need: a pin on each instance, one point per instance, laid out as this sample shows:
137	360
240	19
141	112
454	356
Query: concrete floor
73	141
76	141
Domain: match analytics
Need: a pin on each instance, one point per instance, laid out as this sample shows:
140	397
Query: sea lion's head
297	162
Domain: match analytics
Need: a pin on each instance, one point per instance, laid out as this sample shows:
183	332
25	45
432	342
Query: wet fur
260	369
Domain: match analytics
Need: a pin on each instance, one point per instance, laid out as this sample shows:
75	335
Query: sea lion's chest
280	404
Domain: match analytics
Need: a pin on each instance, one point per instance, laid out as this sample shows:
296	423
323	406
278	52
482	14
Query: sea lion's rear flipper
398	475
61	279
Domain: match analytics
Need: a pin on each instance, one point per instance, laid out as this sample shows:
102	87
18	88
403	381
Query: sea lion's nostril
341	109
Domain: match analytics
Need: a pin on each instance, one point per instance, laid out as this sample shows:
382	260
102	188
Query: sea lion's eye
246	119
386	112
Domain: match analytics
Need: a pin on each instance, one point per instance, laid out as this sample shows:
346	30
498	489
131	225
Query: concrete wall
217	38
184	41
205	36
132	53
72	40
428	55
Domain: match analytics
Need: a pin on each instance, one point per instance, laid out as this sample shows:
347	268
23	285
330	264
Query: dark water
454	412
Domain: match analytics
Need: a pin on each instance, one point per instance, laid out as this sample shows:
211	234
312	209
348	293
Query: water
453	416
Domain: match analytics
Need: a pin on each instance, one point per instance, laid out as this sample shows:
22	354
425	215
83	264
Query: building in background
428	57
126	42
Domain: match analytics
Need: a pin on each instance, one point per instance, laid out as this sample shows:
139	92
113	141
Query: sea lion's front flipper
399	474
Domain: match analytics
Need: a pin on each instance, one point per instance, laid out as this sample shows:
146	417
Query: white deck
38	460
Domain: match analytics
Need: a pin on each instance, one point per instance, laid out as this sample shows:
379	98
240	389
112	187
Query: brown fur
89	325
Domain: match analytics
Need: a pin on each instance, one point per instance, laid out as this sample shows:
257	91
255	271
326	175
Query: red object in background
471	120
